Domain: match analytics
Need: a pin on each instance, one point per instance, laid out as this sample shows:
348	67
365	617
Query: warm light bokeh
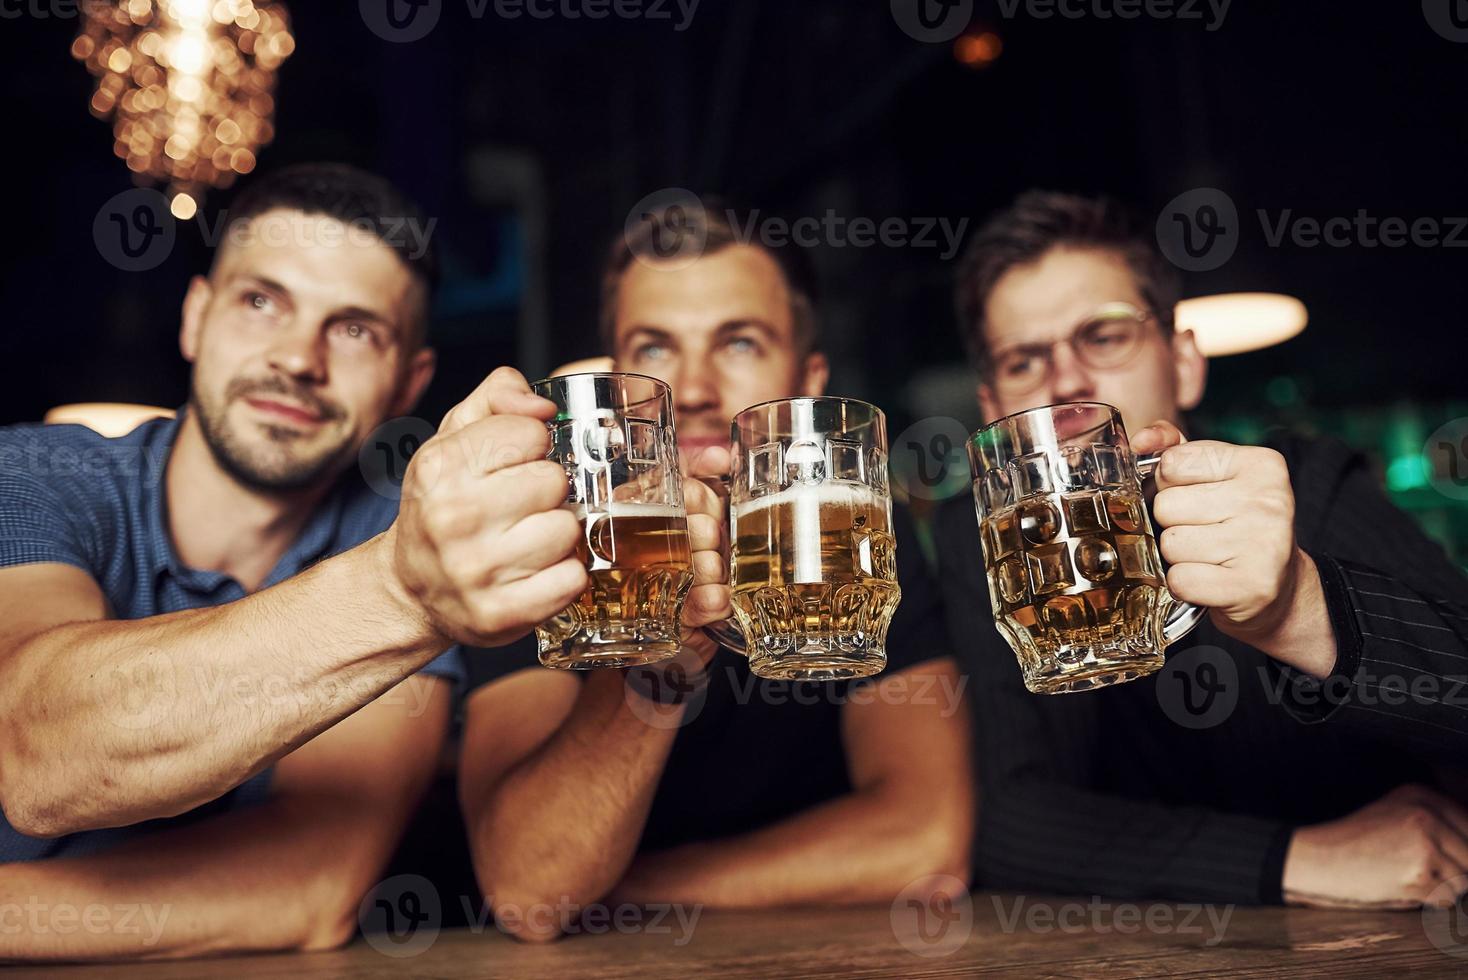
188	84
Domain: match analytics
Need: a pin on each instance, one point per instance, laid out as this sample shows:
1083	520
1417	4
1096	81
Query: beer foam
624	508
822	494
805	505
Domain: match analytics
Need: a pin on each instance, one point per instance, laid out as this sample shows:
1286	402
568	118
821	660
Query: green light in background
1282	392
1408	472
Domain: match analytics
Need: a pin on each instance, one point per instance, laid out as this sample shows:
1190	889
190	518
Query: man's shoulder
73	460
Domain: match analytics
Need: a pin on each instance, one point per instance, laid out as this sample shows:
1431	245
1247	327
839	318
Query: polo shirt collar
311	545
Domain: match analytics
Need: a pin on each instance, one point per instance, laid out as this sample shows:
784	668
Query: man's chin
280	460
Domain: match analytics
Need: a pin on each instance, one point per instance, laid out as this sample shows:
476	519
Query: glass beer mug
1075	578
812	561
613	434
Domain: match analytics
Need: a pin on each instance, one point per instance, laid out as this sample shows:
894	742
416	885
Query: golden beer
641	568
814	580
1077	588
1075	579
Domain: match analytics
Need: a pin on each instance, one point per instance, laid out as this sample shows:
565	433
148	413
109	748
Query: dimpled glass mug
813	563
613	434
1075	579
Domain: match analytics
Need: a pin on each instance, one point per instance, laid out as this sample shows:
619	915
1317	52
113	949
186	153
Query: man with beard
713	787
222	688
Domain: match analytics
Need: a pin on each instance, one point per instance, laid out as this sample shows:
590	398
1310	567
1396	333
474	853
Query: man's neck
218	524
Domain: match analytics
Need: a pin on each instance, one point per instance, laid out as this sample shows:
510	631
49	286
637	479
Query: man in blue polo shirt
223	680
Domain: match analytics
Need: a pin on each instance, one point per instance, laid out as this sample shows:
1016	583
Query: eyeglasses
1107	339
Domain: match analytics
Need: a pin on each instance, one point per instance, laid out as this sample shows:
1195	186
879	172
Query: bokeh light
188	84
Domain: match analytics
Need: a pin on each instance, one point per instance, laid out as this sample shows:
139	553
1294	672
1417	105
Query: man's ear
415	381
1190	370
196	301
816	374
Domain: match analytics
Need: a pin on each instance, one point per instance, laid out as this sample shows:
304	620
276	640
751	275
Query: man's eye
1018	365
744	345
259	301
1107	337
354	331
650	352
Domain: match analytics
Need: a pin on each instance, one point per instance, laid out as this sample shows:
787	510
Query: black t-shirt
752	752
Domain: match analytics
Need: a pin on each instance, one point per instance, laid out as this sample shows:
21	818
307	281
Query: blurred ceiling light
978	50
188	84
104	418
1232	323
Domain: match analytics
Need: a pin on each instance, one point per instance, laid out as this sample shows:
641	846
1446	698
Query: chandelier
189	86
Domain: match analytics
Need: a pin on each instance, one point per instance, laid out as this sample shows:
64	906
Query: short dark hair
354	197
716	226
1036	223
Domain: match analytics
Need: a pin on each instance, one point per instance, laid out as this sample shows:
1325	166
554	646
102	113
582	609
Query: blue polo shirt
71	496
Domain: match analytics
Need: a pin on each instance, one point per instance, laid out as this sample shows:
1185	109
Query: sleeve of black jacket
1041	826
1397	605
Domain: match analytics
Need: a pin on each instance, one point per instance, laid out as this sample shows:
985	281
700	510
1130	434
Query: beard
279	463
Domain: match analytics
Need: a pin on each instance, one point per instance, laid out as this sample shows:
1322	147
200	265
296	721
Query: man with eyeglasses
1288	751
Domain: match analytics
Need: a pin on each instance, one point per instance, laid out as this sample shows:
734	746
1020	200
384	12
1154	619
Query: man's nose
694	388
1072	380
299	350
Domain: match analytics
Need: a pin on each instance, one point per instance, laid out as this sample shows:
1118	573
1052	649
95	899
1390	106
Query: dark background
530	140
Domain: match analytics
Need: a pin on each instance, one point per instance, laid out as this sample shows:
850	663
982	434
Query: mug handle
1179	618
726	633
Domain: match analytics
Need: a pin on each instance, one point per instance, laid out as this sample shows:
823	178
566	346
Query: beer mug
613	434
812	563
1075	579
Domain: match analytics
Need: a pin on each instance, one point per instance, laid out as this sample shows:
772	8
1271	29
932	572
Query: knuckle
708	568
1421	821
505	374
704	532
548	476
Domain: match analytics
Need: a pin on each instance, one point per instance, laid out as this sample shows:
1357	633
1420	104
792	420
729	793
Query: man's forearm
1402	671
154	717
281	876
563	824
863	847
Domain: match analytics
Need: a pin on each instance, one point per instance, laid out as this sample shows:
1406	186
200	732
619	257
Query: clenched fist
1227	515
481	542
1408	849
